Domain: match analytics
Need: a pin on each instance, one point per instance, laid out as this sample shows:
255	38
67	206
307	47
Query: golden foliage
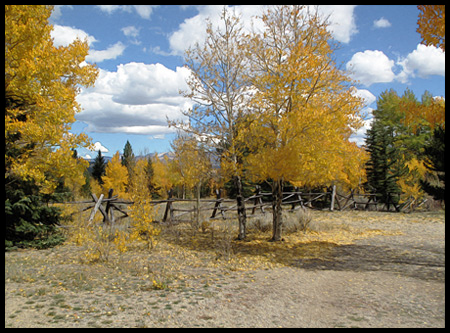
191	164
142	212
45	79
162	177
432	25
303	109
116	177
430	114
410	182
102	241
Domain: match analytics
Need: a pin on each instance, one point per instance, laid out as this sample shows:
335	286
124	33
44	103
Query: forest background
256	115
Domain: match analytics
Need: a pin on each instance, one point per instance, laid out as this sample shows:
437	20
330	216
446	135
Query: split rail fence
256	205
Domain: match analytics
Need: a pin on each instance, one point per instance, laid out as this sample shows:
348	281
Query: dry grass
185	259
213	244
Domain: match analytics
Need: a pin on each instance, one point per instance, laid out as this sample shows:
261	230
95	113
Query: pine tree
382	167
435	163
397	141
128	158
98	170
150	174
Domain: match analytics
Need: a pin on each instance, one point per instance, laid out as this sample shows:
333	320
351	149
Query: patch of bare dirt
381	281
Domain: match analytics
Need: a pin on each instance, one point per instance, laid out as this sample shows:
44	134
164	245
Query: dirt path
384	281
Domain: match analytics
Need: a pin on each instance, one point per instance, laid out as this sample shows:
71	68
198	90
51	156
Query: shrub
30	222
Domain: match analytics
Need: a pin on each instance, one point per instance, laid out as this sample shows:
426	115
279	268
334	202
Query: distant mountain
170	155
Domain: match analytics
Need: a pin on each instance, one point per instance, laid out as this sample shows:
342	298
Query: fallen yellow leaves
183	252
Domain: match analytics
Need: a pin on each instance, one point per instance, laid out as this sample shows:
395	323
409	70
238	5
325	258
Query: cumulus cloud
371	67
144	11
368	97
111	52
423	62
193	30
382	23
136	99
342	21
99	147
64	36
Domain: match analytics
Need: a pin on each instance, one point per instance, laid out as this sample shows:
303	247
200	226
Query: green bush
30	221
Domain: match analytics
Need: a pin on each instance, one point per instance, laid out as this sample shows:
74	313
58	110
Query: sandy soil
383	281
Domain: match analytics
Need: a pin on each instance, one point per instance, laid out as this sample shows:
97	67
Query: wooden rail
256	204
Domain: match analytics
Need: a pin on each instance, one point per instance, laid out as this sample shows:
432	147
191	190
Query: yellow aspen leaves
41	83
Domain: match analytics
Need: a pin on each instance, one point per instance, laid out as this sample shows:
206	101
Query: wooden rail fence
257	204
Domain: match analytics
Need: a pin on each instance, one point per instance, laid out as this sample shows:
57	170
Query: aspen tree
218	90
303	110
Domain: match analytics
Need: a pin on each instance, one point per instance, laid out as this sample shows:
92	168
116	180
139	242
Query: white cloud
131	31
342	21
87	157
99	147
360	137
144	11
111	52
57	12
368	97
423	62
64	36
110	8
193	30
382	23
371	67
136	99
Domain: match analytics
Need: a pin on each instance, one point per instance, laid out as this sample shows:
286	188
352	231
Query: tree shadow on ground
404	258
425	265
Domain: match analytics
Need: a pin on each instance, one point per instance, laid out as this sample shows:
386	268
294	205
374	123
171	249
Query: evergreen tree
128	158
435	162
99	168
382	168
30	222
386	145
129	161
150	173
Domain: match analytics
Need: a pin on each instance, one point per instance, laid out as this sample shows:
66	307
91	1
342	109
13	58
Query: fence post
333	198
218	203
98	203
169	208
258	201
109	210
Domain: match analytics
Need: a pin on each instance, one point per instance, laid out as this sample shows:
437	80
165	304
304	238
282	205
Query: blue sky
139	51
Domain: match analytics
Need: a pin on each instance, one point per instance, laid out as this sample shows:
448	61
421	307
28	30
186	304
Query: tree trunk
277	193
197	208
242	213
